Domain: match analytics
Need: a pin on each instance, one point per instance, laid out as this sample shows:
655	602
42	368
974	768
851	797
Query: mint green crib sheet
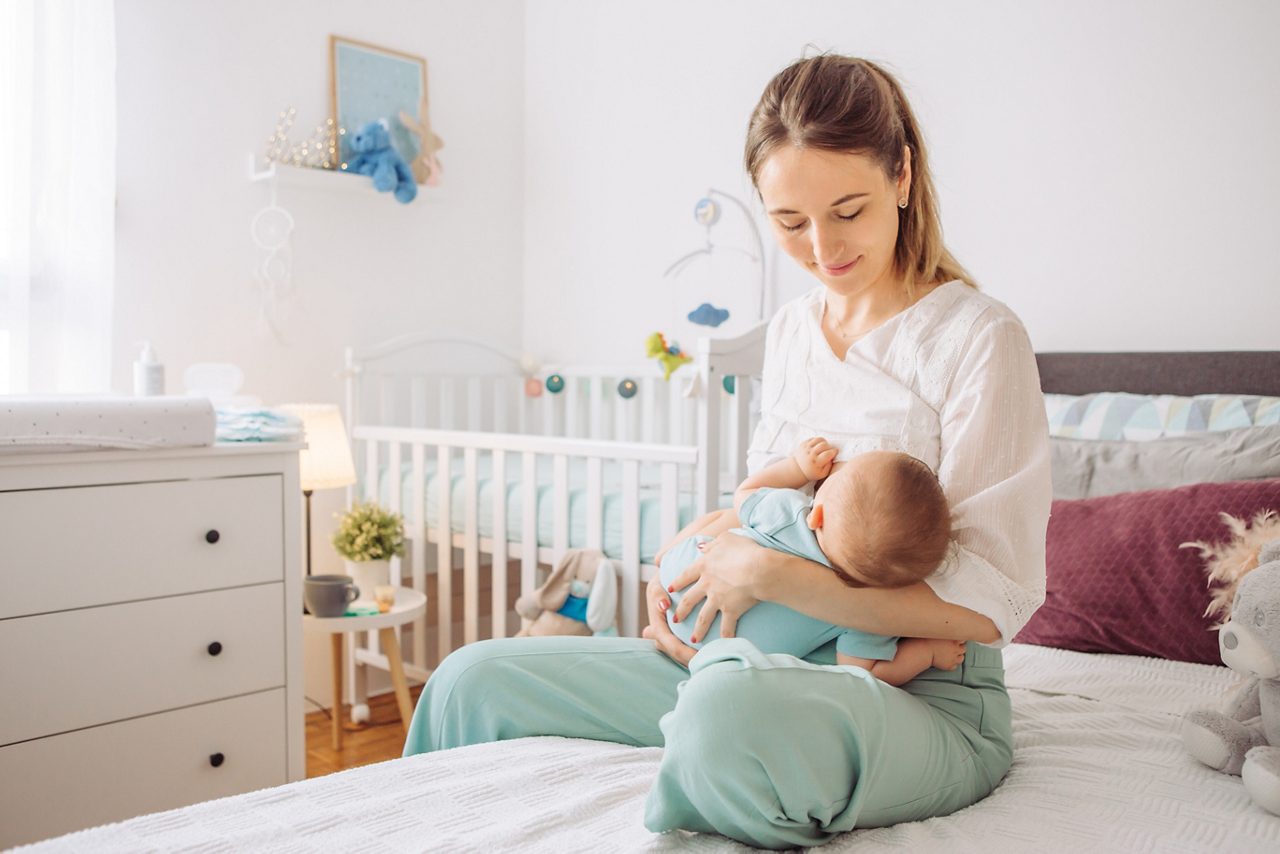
650	503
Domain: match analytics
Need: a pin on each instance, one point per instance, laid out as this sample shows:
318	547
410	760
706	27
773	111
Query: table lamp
326	463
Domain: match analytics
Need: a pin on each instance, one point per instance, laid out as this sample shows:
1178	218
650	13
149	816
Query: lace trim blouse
951	380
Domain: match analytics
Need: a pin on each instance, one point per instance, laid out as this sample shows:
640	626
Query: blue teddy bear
375	156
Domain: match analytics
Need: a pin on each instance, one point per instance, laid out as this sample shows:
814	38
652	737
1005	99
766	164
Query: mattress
1097	767
612	516
61	423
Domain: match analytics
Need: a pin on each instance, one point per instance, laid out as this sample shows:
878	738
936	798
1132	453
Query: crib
499	466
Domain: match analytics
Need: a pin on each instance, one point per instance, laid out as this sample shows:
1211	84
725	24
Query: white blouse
952	380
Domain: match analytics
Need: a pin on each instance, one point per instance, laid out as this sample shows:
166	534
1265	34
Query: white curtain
57	194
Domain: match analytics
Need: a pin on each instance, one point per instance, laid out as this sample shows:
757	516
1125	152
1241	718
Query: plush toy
580	597
426	166
670	356
1246	740
375	156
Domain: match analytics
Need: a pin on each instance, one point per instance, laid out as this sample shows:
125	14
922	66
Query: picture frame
368	82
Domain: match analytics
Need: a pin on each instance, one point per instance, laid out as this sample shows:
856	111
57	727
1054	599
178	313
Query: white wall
1104	167
199	86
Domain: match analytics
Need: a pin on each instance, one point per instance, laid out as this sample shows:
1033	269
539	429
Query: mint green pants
769	750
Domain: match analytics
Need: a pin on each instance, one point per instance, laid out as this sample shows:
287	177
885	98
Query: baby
879	520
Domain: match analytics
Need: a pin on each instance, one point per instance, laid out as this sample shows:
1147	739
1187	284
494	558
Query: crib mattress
1098	766
611	511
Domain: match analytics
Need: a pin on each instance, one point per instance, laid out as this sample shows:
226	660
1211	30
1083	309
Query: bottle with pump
148	373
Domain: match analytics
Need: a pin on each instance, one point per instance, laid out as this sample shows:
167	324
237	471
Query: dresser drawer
81	779
80	668
75	547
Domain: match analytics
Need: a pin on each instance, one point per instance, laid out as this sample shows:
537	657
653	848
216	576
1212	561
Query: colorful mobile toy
670	356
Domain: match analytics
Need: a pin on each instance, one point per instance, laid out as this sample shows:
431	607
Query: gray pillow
1084	468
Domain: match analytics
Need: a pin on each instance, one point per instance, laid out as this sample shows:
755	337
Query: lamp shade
326	463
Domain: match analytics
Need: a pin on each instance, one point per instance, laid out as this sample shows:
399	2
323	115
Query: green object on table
361	611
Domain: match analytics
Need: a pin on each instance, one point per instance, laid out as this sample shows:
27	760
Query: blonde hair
893	530
844	104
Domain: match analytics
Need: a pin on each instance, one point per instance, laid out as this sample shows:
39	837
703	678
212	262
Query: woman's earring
902	202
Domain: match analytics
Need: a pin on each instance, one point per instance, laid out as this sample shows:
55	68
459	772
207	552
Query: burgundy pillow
1118	581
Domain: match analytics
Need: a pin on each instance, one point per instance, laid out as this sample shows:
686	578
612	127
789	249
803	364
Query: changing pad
45	424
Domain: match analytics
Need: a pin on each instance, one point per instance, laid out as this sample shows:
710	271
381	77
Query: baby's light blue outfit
776	519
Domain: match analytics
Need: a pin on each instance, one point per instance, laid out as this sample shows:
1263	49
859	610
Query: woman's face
835	213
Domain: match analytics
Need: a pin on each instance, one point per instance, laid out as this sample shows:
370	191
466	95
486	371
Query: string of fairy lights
318	151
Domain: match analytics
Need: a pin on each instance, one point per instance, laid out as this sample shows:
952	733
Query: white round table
409	605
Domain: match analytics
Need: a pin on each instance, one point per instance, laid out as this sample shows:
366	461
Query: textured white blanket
1098	767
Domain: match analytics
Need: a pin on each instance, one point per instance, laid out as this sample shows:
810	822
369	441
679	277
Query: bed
1097	766
1098	762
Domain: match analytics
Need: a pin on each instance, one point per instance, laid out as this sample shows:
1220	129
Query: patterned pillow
1118	581
1137	417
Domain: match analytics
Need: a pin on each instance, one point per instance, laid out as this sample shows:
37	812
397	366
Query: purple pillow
1118	581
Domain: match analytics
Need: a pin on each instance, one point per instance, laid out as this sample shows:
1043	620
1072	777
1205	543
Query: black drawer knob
216	759
212	536
215	648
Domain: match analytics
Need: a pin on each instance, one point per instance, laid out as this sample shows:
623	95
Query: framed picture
370	83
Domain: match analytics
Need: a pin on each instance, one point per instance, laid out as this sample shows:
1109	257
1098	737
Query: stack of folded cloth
257	424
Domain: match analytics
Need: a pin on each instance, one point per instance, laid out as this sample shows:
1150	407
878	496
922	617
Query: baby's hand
947	654
815	457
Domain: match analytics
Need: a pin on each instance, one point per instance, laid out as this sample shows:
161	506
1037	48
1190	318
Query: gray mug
329	595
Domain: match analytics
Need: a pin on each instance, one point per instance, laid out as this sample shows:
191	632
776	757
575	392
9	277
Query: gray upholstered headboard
1243	372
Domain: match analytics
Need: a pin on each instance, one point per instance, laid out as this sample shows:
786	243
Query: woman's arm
995	472
734	573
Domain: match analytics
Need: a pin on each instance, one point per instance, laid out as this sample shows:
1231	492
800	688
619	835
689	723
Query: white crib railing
681	442
665	471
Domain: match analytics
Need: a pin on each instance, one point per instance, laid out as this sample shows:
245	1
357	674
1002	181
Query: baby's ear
815	518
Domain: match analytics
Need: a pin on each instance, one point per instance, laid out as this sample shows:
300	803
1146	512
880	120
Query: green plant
368	532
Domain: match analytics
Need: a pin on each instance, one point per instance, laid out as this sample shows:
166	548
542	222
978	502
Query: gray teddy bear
1246	740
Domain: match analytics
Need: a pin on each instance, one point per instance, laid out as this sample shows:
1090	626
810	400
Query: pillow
1084	468
1140	417
1118	581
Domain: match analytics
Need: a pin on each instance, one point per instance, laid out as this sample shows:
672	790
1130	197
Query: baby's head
882	520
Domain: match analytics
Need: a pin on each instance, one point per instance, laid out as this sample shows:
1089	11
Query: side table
410	604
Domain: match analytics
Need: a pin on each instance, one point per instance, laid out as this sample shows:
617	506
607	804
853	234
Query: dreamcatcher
272	230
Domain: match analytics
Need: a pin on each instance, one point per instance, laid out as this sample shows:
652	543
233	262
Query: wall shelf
328	180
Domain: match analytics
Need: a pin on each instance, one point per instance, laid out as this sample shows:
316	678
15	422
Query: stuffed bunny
1246	740
580	597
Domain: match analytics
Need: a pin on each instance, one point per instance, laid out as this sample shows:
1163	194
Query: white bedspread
1098	767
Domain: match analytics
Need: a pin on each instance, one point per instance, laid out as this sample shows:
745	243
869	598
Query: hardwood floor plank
377	741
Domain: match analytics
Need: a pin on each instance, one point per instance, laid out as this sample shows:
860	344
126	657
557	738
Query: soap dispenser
148	373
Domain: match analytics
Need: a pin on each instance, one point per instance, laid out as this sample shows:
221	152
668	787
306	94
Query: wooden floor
380	739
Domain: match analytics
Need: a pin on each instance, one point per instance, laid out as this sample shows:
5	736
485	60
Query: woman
895	350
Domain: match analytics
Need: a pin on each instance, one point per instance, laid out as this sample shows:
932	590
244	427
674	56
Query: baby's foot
947	654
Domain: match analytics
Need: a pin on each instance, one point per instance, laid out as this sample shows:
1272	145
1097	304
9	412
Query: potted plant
367	538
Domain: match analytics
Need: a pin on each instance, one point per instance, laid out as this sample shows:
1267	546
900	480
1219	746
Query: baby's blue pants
767	749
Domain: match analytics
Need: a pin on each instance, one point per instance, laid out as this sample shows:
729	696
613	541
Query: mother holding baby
897	350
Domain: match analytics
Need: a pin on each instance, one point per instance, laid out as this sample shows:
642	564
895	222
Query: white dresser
150	632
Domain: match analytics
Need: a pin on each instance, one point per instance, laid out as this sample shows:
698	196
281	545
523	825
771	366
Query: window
57	194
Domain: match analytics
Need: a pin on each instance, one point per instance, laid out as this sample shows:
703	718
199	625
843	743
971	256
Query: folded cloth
45	424
256	424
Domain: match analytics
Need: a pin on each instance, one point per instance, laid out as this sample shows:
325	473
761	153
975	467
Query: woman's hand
727	577
658	631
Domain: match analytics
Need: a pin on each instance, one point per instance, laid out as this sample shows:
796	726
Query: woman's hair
845	104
